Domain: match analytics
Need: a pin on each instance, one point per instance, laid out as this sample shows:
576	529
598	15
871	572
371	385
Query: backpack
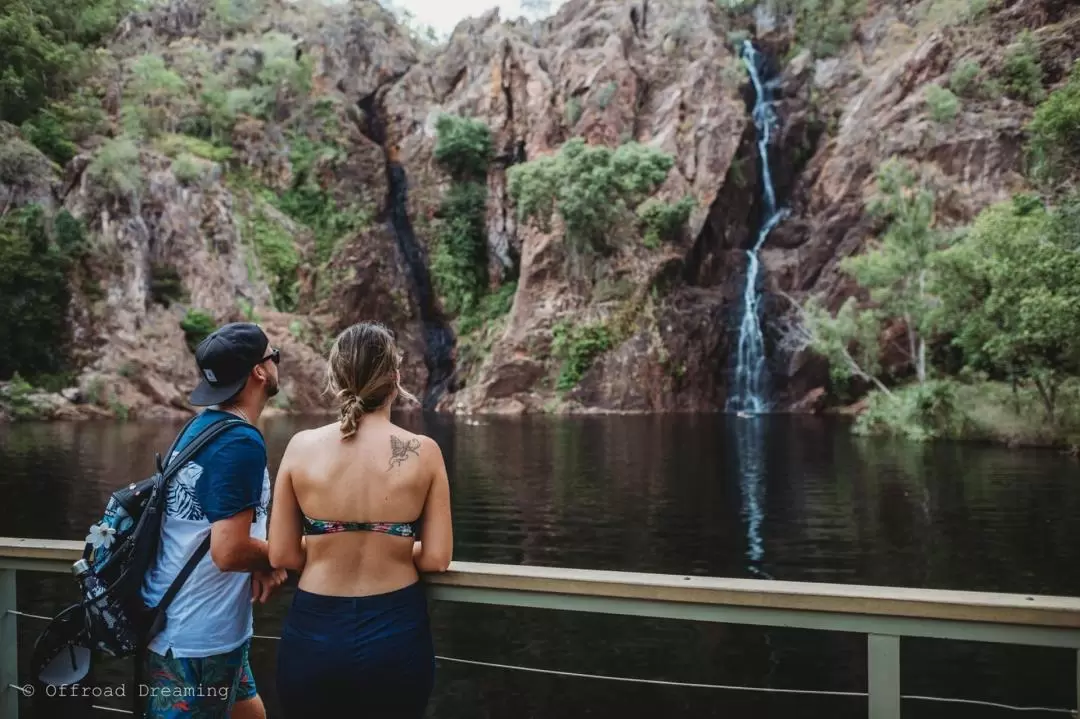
111	617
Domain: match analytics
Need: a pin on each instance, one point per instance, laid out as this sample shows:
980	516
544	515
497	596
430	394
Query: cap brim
206	394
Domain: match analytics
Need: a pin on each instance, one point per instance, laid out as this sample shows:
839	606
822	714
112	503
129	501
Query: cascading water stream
750	392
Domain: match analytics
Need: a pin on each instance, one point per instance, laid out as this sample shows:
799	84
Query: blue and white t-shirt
211	614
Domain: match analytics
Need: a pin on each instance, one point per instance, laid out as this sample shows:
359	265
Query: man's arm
233	549
230	490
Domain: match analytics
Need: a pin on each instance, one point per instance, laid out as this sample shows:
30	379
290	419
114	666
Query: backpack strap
204	437
209	434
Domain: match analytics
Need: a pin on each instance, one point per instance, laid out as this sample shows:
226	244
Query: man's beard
272	387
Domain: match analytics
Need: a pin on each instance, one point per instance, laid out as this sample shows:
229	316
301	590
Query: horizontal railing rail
884	614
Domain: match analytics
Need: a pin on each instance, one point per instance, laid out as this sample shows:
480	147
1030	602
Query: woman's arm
436	546
286	538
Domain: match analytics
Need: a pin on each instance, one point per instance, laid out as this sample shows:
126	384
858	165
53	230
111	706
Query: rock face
665	74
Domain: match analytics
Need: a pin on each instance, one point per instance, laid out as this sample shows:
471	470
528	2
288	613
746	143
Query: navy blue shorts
356	656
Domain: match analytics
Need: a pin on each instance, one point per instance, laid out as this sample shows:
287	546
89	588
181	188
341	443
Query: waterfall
750	393
438	337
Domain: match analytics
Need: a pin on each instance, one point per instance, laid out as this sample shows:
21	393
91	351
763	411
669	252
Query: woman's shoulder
307	438
402	440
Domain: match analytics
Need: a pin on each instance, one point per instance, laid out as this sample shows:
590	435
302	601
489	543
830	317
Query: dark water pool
783	498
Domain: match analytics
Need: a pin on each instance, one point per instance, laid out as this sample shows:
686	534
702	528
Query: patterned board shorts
197	688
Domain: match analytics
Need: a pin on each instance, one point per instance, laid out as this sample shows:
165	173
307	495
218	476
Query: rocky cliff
361	137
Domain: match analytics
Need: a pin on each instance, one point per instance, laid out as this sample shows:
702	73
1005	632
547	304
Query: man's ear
259	373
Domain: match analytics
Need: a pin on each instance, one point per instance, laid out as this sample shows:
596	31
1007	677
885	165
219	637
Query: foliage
197	326
57	127
175	145
1009	294
823	26
664	220
964	79
156	97
899	271
1055	130
188	169
918	412
16	397
44	49
944	105
490	308
36	256
591	187
606	94
459	265
115	170
848	340
1022	71
21	163
573	111
278	259
463	147
166	286
576	346
234	15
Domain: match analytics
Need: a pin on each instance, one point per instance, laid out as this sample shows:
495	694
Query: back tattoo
400	451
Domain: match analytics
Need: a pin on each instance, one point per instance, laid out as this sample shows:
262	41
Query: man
197	666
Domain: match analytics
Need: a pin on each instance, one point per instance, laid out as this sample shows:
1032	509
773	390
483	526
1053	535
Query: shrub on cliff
944	105
156	97
197	326
592	187
1055	131
115	170
1022	70
463	147
459	265
663	220
576	347
36	256
459	262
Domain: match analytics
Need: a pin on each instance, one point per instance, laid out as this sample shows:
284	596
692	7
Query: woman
361	507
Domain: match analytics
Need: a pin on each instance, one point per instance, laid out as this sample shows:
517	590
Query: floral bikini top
329	526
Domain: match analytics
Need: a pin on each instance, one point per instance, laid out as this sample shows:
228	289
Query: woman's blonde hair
362	372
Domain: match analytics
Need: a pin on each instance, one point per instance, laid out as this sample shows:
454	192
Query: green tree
592	187
1010	295
1055	131
43	49
34	293
898	271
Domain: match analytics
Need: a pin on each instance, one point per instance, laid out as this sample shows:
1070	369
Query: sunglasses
274	356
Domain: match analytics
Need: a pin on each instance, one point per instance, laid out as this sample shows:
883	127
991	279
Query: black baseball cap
225	359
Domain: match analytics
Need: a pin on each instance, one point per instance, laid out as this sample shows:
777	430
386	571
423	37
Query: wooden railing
883	614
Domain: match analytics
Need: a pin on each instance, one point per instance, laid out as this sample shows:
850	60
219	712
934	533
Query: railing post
883	673
9	650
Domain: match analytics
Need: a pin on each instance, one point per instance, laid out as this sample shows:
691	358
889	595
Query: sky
443	15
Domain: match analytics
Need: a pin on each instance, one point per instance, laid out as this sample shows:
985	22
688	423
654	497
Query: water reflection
749	446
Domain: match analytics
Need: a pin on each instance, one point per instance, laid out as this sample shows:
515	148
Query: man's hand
263	584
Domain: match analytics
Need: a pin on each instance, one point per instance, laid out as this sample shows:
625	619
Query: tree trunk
1048	392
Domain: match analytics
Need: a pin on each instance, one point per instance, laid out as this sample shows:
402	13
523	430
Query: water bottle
109	626
91	585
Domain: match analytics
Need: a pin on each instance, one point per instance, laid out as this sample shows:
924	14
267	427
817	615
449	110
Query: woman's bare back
383	474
